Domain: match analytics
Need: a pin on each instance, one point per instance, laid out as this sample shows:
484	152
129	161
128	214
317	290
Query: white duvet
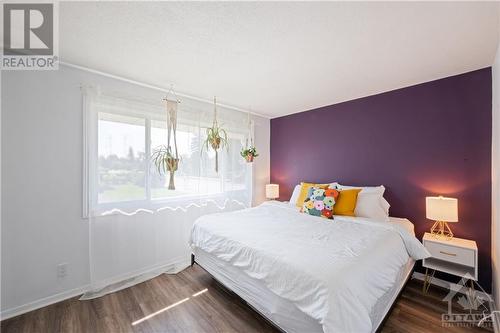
332	270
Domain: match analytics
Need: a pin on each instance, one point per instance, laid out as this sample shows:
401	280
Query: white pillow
385	206
367	189
295	195
369	205
371	202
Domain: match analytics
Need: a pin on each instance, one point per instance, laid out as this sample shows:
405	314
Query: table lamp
272	191
442	210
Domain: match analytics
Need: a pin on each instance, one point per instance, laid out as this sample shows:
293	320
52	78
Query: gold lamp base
441	230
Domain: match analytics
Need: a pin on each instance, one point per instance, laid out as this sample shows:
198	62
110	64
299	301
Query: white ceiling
279	58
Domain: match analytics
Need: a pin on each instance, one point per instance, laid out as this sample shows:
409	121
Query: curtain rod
150	86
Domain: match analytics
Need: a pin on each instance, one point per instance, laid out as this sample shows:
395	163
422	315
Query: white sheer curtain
137	227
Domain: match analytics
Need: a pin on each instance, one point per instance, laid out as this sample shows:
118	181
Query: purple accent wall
429	139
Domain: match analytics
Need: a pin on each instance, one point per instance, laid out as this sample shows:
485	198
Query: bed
305	273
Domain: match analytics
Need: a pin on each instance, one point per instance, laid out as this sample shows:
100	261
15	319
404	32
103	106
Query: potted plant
216	137
249	153
165	162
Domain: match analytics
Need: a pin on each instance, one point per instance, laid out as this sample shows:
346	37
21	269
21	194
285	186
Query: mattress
334	273
281	312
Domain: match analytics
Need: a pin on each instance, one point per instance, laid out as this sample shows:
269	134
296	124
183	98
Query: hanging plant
163	157
249	153
216	137
165	162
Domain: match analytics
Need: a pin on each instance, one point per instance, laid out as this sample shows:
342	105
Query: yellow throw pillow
304	188
346	202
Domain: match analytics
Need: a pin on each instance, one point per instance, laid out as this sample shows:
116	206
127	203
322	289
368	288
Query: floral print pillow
320	202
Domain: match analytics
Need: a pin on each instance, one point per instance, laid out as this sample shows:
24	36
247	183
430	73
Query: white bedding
334	271
405	223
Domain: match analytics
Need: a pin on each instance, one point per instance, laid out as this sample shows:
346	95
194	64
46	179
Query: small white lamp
442	210
272	191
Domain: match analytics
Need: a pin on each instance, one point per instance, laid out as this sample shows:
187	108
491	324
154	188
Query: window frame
91	163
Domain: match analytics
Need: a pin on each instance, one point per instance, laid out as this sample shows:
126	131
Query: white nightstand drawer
454	254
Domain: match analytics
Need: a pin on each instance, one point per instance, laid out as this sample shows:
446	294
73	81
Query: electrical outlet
62	270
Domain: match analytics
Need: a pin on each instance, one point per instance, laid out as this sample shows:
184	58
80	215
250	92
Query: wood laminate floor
167	304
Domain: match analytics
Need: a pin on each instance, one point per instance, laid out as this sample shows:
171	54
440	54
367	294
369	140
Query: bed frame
226	288
377	330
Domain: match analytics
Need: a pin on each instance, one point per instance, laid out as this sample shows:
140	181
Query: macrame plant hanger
249	122
249	152
216	137
173	161
215	145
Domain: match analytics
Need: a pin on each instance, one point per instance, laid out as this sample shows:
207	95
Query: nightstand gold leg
427	280
472	296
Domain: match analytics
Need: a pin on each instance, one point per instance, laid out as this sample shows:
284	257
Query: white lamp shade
441	209
272	191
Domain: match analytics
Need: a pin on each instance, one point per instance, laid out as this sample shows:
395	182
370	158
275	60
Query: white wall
495	228
262	164
0	186
41	153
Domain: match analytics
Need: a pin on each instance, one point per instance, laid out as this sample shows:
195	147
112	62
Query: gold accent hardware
448	254
427	280
441	230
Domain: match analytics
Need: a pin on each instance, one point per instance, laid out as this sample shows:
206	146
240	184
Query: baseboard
496	318
177	264
46	301
40	303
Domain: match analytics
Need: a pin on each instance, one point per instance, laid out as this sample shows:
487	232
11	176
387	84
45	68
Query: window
121	158
126	133
187	177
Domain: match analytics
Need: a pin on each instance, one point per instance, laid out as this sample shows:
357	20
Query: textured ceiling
279	58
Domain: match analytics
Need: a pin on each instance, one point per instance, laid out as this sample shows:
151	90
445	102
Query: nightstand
456	256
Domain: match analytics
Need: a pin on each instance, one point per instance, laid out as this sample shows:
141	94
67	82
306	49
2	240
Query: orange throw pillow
346	202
